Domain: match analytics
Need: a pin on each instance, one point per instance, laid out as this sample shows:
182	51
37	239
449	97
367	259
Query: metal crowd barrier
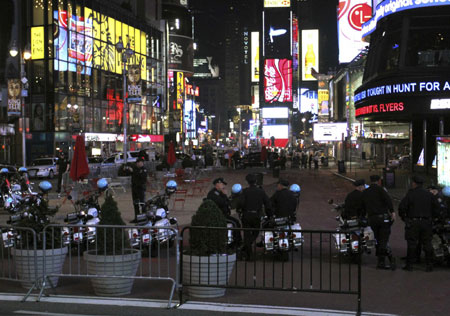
19	259
86	259
316	266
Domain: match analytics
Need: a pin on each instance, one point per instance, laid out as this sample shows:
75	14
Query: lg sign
358	15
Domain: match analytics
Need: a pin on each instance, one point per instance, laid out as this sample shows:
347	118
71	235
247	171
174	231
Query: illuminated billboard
85	42
443	160
277	80
329	131
255	56
295	43
275	113
323	97
277	3
310	54
37	42
206	67
181	53
277	33
309	101
352	14
277	131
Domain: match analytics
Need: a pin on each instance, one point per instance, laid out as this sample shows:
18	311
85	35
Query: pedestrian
63	166
218	195
417	209
380	213
138	185
251	202
283	202
316	161
304	160
264	156
310	159
354	207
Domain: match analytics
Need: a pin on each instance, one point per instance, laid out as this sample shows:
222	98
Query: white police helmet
4	170
236	188
23	169
171	186
446	191
295	188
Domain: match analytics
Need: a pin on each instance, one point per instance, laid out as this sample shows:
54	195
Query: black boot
381	263
392	263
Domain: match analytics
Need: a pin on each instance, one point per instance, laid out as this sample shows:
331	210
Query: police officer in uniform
138	185
417	209
380	213
354	207
251	202
219	196
283	201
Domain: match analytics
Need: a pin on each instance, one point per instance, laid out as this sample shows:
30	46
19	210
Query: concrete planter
212	270
117	266
29	273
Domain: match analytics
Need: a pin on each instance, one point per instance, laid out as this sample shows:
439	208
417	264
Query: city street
390	292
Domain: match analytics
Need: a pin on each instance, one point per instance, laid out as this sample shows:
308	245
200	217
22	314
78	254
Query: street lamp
127	53
14	51
303	123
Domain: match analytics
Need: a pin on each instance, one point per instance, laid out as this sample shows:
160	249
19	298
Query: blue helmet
4	170
45	186
236	188
23	169
446	191
102	184
295	188
171	186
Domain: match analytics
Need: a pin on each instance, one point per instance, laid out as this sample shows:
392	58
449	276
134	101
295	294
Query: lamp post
127	53
26	55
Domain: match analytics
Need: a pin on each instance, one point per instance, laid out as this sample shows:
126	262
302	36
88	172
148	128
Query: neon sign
389	7
380	108
278	80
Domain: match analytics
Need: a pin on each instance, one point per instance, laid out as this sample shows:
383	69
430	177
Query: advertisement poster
14	98
180	89
181	53
443	160
310	54
352	14
295	43
38	117
255	56
277	33
323	98
277	80
276	3
37	42
134	84
309	101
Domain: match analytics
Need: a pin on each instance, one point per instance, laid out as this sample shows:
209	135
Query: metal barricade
20	261
88	258
314	265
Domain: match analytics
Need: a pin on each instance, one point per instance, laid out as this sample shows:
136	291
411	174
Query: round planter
25	265
212	270
118	265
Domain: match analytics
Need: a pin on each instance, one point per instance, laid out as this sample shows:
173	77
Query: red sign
343	7
358	15
279	142
278	80
140	138
380	108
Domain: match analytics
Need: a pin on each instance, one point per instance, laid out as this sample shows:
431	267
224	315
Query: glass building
76	81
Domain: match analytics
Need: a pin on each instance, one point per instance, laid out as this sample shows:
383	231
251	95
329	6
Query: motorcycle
440	241
148	235
15	190
86	216
350	232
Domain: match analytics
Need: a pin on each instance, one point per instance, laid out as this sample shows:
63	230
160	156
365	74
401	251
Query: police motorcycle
154	214
284	234
350	231
440	241
15	189
28	210
86	215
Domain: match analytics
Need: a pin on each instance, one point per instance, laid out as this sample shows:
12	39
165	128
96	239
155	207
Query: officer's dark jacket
284	203
376	201
138	178
418	202
220	199
354	206
253	199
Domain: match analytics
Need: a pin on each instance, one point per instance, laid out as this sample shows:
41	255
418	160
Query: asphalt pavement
383	292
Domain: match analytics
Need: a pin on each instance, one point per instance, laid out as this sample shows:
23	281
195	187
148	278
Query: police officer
138	185
417	209
251	203
218	195
283	201
380	212
354	207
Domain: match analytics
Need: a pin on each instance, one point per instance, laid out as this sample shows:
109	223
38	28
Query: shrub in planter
207	261
114	256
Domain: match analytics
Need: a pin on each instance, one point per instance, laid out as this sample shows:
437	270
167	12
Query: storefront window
89	115
61	113
97	116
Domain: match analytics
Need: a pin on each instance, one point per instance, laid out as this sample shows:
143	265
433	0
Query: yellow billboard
310	54
277	3
37	42
255	56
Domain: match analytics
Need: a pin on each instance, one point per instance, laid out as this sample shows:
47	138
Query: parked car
117	159
254	159
43	168
95	162
399	161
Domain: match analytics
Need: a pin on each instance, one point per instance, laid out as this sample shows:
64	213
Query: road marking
49	314
205	306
